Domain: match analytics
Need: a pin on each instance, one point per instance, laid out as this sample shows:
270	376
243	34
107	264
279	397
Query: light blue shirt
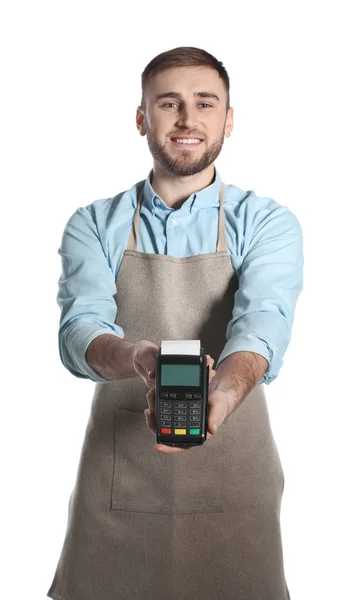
265	244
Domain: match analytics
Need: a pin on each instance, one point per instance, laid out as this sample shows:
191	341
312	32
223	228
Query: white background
70	75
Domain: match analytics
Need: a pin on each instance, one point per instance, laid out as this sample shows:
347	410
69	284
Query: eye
205	103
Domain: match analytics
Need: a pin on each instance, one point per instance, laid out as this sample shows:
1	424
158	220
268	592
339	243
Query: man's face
186	115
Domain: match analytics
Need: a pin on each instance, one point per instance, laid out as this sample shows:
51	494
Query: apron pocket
151	482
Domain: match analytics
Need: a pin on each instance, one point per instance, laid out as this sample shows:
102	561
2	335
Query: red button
165	430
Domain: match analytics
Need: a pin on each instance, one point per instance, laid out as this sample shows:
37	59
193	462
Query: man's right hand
144	361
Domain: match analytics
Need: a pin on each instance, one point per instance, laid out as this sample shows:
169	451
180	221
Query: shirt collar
205	198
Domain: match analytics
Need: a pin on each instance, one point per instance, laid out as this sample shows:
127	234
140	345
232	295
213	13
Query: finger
215	417
142	372
211	375
151	375
216	414
211	428
164	449
151	399
148	378
151	420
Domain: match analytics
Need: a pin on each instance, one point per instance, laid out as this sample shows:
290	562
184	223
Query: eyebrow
177	95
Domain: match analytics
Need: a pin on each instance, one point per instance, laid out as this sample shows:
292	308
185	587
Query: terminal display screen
185	375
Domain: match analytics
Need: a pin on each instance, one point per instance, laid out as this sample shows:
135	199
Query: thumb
214	419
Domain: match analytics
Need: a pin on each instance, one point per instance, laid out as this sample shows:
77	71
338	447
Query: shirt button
158	201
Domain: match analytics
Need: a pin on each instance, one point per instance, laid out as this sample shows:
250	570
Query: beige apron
201	524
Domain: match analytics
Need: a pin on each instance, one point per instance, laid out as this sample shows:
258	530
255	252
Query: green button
194	432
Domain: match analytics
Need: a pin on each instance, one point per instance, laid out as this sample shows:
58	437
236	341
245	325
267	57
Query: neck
175	190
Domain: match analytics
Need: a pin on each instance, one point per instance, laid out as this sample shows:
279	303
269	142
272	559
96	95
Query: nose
187	118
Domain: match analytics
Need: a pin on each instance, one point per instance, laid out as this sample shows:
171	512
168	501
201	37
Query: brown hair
184	56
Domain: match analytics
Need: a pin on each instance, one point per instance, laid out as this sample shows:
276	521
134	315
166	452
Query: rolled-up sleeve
269	284
86	294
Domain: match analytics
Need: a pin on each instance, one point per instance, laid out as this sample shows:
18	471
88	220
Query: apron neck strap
221	242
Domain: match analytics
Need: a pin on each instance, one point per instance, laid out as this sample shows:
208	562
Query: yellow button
180	431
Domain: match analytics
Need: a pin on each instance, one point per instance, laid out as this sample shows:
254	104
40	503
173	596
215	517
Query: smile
186	143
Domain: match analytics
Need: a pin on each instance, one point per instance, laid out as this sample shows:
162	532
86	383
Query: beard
181	162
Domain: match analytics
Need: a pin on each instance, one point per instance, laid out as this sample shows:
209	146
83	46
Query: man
179	256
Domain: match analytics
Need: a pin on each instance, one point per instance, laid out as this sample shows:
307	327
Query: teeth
191	141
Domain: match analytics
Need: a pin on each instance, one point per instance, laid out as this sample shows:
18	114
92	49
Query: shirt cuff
250	342
77	338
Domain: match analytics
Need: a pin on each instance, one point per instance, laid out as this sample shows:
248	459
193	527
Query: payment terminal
181	393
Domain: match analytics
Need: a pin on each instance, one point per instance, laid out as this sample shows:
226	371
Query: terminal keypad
180	413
